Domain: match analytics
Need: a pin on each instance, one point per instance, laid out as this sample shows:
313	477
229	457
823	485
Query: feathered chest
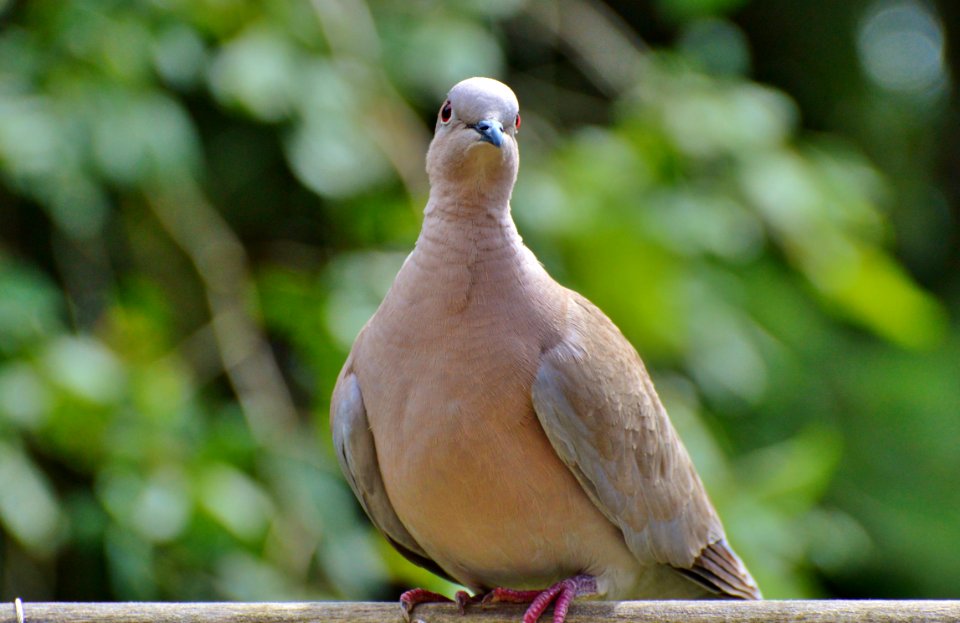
448	357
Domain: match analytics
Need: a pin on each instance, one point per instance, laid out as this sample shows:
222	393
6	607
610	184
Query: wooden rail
592	612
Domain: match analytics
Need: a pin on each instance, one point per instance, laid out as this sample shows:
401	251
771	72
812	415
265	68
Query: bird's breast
464	459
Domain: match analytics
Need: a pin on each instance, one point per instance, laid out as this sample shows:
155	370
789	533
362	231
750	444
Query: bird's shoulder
591	345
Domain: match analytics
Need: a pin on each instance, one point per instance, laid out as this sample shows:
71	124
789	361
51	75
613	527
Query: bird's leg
502	595
415	596
560	595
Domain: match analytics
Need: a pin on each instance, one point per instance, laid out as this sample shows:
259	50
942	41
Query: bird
497	428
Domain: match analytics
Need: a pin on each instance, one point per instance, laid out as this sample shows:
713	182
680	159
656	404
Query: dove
497	428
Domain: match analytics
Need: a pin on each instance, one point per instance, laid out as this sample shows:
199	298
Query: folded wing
357	455
600	411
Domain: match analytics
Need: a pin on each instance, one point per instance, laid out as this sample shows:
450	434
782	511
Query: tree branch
367	612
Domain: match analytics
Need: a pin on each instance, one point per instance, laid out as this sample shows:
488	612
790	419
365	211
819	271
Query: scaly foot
420	596
502	595
464	599
560	594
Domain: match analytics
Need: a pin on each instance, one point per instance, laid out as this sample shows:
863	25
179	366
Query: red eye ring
516	123
446	112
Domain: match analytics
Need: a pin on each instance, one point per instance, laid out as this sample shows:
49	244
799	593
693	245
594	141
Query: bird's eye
516	123
446	112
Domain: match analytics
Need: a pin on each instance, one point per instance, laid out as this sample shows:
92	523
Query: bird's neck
469	266
475	234
468	254
469	193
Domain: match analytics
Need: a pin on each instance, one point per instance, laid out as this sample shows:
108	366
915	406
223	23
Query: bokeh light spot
901	47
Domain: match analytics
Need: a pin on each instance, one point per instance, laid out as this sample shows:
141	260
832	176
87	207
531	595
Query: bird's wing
357	455
603	417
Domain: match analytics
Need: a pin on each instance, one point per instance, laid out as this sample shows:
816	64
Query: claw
508	596
560	594
464	599
415	596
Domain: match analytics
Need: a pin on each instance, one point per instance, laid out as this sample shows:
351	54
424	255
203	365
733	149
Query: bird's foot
561	595
421	596
464	599
502	595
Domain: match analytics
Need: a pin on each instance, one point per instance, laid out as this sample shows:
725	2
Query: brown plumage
496	426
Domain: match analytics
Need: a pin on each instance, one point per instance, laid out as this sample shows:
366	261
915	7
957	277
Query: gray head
475	138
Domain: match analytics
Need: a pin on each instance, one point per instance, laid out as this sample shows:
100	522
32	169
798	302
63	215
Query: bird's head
475	141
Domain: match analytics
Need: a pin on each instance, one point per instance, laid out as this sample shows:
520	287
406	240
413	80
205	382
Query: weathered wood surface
365	612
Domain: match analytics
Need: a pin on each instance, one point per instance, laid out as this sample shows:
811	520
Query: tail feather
720	570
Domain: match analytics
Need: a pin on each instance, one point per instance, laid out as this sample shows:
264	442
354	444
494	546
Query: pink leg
571	588
419	596
560	594
509	596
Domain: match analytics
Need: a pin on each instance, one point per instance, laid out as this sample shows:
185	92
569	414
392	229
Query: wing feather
357	455
601	413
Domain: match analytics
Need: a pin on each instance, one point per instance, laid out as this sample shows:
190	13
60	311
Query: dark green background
202	201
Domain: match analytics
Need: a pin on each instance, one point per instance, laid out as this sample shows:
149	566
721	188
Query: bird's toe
410	599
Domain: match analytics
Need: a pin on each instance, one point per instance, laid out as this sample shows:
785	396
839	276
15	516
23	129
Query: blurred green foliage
202	202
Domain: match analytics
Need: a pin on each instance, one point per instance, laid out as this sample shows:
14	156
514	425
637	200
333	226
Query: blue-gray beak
490	130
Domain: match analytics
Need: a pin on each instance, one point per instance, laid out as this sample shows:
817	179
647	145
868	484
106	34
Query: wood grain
379	612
